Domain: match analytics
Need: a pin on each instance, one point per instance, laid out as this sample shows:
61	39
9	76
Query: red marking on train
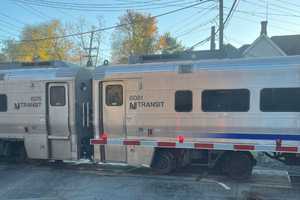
98	141
180	138
166	144
131	142
203	146
244	147
288	149
104	136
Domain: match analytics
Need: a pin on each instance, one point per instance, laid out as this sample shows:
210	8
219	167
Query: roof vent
185	68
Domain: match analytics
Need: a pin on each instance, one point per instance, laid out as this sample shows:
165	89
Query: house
290	44
264	46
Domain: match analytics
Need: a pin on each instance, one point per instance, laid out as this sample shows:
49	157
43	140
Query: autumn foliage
32	45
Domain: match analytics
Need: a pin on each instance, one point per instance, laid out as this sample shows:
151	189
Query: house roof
261	38
290	44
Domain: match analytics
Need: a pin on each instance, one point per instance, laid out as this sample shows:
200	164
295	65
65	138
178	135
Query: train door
58	121
113	119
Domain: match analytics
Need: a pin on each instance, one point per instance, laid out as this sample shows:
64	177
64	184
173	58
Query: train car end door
113	119
58	121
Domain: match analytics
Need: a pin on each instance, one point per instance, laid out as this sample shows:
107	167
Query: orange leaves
51	49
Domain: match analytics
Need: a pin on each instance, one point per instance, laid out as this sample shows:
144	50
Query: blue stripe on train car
253	136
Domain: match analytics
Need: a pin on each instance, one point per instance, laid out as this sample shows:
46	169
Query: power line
29	10
8	32
188	19
263	13
231	11
193	29
106	5
60	3
272	26
12	18
95	8
115	26
42	14
287	2
277	8
9	25
199	15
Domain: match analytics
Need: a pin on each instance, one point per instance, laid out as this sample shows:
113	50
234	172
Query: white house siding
263	47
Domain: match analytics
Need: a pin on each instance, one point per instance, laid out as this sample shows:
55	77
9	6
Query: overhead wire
29	10
12	18
195	19
114	26
231	11
107	5
9	25
105	8
186	21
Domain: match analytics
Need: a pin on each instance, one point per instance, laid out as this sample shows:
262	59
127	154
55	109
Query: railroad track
263	184
261	177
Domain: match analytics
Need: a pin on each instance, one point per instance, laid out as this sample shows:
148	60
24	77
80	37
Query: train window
3	103
228	100
280	100
183	101
57	96
114	95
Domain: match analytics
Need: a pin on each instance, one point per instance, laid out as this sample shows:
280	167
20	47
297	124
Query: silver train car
164	115
45	110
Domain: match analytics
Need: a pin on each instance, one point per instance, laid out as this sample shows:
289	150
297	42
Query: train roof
49	70
191	66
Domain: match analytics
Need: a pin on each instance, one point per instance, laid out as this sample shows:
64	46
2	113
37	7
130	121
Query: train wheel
164	162
239	165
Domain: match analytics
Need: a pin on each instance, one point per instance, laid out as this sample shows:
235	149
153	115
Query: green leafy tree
168	44
137	35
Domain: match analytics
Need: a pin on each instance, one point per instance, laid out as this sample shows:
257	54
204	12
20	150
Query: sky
189	25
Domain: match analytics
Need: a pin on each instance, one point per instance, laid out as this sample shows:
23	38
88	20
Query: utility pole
90	50
90	61
213	38
221	25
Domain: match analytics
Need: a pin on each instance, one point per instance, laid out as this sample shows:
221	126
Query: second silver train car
223	110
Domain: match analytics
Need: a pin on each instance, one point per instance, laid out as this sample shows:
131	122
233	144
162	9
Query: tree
82	42
136	35
168	44
30	47
2	57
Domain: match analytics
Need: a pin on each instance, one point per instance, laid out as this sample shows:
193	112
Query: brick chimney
263	30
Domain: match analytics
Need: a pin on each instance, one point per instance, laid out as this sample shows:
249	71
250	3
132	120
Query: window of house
280	100
57	96
183	101
227	100
3	103
114	95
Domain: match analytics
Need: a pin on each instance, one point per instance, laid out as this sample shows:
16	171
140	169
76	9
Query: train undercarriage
235	164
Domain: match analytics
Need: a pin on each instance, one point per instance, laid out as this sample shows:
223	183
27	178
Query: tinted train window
57	96
236	100
280	100
183	101
114	95
3	103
